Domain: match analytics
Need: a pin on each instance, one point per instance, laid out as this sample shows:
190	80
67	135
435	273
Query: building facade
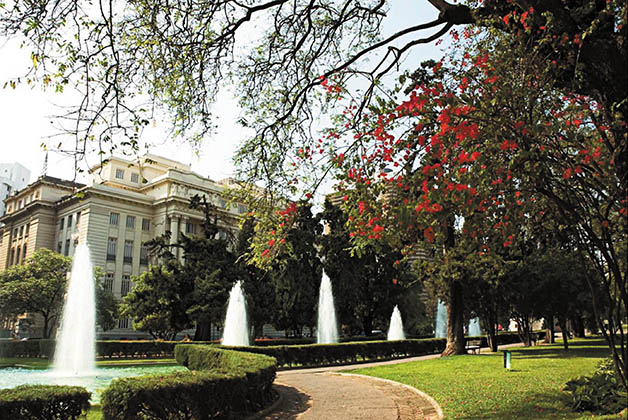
124	204
13	177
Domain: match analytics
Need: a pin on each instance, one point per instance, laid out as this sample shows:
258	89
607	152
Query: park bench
473	346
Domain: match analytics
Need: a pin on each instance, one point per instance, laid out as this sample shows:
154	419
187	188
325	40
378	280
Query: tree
107	310
158	301
209	270
37	287
366	284
259	290
296	272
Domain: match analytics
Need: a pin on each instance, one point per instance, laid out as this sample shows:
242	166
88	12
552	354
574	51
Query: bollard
507	359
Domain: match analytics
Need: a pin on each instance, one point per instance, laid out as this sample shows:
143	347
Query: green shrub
601	393
43	402
343	353
222	384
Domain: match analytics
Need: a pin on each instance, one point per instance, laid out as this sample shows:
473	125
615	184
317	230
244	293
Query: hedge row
222	384
343	353
43	402
106	349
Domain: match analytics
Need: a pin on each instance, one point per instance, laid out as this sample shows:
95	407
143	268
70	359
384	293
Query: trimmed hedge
222	384
344	353
43	402
104	348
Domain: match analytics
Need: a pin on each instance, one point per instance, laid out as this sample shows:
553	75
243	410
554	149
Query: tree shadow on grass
539	405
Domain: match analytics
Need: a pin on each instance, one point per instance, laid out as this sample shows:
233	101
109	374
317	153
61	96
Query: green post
507	359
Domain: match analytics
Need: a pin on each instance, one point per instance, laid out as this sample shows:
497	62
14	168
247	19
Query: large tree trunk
203	330
455	322
578	324
492	335
563	326
549	333
367	325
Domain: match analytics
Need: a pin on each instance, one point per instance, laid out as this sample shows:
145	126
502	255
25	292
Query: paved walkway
326	394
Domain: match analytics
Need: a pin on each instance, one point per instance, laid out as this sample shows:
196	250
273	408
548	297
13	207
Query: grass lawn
478	387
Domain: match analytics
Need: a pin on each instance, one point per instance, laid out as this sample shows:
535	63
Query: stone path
326	394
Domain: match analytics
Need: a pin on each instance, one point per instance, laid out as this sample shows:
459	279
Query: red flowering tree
485	135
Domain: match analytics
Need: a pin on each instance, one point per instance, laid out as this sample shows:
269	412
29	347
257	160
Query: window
59	247
15	233
123	323
17	256
19	204
78	218
222	203
69	221
109	282
144	254
135	177
24	248
126	285
12	257
190	228
241	208
146	225
128	252
111	249
61	223
28	228
66	251
113	218
120	173
21	232
130	222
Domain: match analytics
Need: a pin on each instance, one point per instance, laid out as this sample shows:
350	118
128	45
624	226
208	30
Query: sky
27	113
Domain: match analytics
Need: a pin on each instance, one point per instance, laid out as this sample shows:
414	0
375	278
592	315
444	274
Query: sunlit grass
478	387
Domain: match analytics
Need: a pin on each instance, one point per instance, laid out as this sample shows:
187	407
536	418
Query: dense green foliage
43	402
225	384
367	284
257	283
296	273
601	392
477	386
37	286
157	302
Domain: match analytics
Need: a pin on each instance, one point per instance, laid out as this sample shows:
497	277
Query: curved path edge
432	412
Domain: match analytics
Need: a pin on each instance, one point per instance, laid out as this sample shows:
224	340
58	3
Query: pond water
94	383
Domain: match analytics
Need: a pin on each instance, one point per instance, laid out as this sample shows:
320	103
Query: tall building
13	177
124	204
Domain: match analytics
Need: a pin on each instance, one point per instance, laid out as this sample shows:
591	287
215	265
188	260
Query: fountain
236	326
440	329
327	328
74	362
75	353
395	331
474	328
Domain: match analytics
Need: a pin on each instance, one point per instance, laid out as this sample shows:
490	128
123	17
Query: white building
13	177
124	204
